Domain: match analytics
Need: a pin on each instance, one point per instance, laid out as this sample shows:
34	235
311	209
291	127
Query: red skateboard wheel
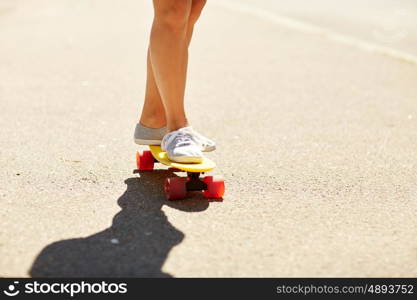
215	187
175	188
144	161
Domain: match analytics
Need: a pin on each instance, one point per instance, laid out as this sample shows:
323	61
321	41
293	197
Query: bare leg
171	35
153	111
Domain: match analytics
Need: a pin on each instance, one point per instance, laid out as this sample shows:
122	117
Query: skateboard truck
194	182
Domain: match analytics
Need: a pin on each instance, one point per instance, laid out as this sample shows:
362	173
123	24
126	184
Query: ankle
152	122
177	124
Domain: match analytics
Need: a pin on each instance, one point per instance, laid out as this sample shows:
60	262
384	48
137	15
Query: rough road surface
317	141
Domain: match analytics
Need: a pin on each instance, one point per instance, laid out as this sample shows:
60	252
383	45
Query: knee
196	9
174	16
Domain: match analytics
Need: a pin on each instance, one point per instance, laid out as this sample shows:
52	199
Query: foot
153	136
206	145
181	147
149	136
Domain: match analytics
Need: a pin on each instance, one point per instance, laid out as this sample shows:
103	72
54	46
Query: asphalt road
390	23
316	141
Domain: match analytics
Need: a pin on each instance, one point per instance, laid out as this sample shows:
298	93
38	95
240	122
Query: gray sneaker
181	147
149	136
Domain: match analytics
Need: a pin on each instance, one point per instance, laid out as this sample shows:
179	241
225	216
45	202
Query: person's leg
153	112
196	8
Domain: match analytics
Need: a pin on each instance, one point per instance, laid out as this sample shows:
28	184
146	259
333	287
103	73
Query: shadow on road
136	244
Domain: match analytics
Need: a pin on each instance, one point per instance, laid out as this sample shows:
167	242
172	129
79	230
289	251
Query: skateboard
176	188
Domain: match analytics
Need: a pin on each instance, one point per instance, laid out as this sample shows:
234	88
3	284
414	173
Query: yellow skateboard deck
161	156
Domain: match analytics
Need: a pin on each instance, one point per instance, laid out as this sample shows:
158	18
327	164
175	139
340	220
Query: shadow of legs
136	244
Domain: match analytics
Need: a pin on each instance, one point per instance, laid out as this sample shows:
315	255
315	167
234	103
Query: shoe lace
196	137
180	139
183	139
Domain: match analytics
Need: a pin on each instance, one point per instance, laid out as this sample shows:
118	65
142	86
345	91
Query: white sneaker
206	145
181	147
